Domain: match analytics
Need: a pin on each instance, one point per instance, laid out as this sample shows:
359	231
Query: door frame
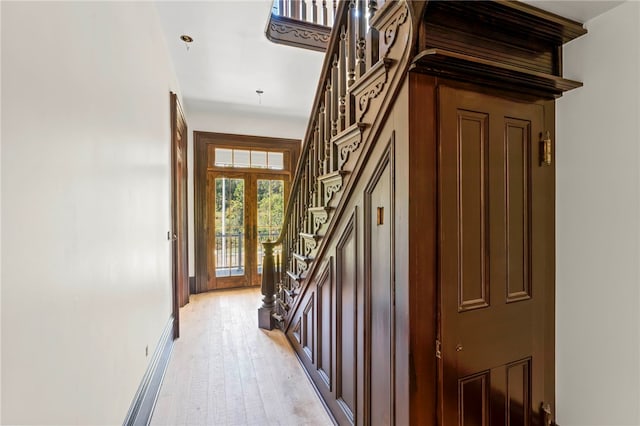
201	142
250	238
179	229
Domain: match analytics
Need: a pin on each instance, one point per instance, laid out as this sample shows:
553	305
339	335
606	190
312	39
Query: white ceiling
231	58
578	10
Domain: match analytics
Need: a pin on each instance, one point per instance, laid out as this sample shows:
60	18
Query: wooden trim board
144	401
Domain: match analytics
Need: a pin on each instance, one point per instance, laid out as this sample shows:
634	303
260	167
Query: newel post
265	320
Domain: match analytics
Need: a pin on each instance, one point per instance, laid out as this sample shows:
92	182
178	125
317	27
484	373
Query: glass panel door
270	199
229	255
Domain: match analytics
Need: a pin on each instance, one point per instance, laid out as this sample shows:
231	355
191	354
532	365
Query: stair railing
319	12
353	48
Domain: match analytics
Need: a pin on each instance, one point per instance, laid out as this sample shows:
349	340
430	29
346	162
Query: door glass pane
276	160
258	159
270	213
224	157
241	158
229	252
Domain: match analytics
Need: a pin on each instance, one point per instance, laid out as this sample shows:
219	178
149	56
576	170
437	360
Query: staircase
360	75
361	289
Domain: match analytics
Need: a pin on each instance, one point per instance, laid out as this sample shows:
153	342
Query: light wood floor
226	371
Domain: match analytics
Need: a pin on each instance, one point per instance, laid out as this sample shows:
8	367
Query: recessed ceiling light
186	38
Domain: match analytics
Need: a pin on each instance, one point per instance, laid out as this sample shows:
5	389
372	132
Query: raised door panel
325	324
472	209
495	311
347	317
380	291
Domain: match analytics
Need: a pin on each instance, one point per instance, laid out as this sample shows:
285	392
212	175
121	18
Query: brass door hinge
438	353
546	151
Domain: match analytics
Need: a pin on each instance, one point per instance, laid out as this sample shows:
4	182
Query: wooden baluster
281	7
334	111
373	43
303	10
321	155
342	80
351	61
295	222
361	44
335	12
316	153
295	9
310	176
327	128
314	11
325	22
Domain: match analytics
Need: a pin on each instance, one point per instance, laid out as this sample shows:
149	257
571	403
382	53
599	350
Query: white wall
234	119
598	225
86	275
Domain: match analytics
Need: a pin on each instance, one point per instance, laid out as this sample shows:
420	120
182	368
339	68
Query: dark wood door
496	260
381	295
179	207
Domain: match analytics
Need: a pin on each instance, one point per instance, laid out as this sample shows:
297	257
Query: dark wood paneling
534	57
325	324
518	167
297	331
347	317
423	248
474	400
380	293
308	326
472	212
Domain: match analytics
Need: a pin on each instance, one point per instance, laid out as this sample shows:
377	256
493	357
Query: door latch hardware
546	150
380	216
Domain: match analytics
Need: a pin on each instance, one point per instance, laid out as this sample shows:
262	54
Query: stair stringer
374	95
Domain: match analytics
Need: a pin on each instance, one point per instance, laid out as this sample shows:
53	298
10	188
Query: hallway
224	370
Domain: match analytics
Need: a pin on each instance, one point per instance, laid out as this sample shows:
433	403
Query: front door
244	210
496	261
241	185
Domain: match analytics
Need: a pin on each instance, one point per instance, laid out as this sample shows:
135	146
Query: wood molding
144	401
296	33
504	76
